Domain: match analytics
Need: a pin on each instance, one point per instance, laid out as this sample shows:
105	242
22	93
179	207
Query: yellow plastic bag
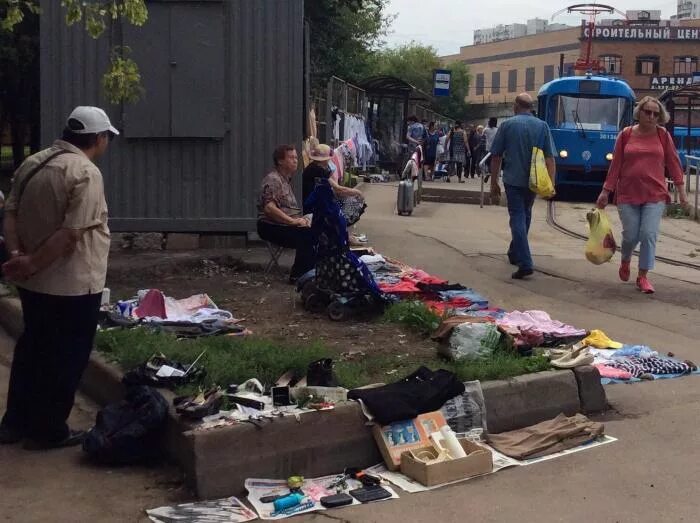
540	182
601	245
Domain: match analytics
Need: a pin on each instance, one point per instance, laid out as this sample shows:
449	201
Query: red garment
637	171
421	276
403	287
151	306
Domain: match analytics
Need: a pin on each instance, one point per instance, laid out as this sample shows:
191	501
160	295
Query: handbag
540	182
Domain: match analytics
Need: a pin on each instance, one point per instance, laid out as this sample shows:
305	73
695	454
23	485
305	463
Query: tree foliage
415	63
344	35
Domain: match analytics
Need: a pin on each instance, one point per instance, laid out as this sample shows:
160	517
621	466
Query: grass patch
234	360
414	315
227	360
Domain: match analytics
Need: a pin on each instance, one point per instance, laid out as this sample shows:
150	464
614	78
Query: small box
478	461
396	438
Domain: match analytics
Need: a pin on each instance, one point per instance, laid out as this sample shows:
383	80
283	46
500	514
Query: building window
530	79
611	63
568	69
495	82
512	80
480	84
647	65
548	73
685	64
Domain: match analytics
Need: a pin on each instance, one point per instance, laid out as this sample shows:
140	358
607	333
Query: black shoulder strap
34	171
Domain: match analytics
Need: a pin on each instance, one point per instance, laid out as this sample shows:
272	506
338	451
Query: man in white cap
58	241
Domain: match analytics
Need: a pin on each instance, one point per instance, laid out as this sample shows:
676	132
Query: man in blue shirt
514	140
415	133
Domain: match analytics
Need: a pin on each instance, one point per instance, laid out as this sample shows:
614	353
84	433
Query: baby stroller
341	284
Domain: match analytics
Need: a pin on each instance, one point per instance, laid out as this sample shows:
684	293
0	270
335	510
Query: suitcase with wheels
405	199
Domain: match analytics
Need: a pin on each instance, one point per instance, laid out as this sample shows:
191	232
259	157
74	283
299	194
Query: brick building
650	54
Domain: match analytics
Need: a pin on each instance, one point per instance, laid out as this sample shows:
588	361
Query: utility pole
561	65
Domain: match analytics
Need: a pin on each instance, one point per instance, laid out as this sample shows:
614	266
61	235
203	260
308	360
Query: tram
585	115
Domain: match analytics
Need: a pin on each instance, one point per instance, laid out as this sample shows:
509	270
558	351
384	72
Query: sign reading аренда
670	82
643	33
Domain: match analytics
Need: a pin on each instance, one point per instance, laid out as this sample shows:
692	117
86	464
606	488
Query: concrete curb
217	462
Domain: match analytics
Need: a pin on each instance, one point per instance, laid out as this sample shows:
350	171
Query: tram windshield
590	113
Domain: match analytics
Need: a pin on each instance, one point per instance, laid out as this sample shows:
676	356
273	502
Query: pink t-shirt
637	172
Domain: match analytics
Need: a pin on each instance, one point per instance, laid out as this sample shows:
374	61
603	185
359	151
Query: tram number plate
608	136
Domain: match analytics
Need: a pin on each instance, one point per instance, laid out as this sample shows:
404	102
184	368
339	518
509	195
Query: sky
449	24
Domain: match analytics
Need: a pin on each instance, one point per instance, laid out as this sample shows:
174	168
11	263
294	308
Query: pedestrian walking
489	134
431	147
477	142
644	155
58	241
514	140
458	147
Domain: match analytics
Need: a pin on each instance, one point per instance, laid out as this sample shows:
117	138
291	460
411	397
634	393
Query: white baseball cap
93	119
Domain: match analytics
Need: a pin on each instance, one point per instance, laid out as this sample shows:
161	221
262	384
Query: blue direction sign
441	82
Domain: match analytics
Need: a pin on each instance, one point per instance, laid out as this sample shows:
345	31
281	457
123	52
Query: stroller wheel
315	302
337	311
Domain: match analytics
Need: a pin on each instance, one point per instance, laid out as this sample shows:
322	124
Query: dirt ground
272	308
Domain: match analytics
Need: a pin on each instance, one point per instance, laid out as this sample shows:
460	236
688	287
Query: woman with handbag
644	155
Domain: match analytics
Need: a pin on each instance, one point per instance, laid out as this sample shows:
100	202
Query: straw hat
320	152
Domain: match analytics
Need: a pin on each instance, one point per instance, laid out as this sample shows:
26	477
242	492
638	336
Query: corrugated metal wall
182	184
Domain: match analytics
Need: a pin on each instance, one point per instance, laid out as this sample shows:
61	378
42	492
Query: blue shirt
514	141
416	131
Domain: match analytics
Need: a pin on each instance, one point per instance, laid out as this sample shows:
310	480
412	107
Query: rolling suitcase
404	201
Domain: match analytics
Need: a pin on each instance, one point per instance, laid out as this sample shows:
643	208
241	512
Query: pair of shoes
74	437
9	436
644	285
624	271
522	273
197	407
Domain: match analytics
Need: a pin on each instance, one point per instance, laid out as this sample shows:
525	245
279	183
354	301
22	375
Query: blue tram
585	114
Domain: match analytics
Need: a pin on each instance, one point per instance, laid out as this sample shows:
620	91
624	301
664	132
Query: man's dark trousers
520	202
291	237
49	360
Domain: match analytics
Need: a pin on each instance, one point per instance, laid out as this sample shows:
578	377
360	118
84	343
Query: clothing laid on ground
520	201
548	437
291	237
49	360
613	373
515	139
638	367
640	165
76	202
536	328
277	189
640	226
423	391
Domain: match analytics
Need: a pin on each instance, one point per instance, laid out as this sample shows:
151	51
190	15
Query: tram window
589	113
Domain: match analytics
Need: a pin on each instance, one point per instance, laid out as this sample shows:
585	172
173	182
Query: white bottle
452	443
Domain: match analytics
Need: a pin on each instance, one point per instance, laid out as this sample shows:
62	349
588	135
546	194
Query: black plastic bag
129	431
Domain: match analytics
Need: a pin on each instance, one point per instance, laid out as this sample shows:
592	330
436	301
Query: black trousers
49	360
299	238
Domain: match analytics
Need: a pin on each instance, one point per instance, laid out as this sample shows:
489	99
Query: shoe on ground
644	285
522	273
9	436
74	438
624	271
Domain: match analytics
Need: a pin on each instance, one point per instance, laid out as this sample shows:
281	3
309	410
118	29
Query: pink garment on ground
421	276
151	306
538	322
610	372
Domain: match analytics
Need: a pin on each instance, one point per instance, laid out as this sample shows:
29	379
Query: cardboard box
478	461
398	437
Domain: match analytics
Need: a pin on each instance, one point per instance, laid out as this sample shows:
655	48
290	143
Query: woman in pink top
644	155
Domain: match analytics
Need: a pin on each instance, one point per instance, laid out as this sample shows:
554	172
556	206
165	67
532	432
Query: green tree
19	60
344	35
415	63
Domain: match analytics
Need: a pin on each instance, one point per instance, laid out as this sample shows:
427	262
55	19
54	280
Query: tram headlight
563	153
609	157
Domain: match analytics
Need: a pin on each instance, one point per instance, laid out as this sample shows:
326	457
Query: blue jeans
520	201
640	224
